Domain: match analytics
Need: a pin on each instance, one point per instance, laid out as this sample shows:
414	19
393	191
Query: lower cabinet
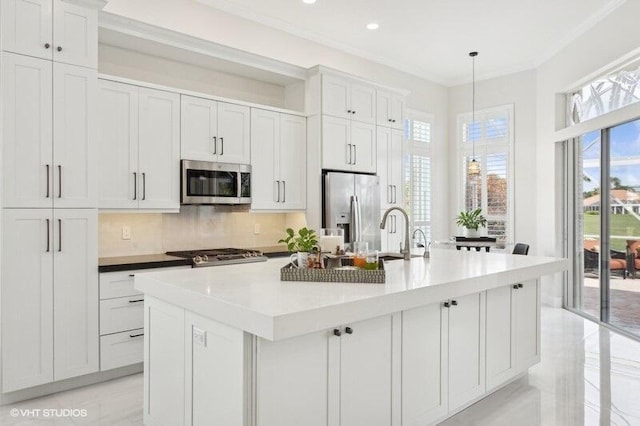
49	302
442	358
513	329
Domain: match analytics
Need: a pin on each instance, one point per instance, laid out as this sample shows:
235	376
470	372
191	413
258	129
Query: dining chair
521	248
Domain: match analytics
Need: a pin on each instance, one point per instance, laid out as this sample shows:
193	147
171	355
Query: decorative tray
344	274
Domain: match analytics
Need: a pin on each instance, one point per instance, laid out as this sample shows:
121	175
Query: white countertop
251	296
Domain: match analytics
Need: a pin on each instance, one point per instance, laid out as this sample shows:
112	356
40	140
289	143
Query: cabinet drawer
120	284
124	313
120	349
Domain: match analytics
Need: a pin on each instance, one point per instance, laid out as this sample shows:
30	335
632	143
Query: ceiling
432	38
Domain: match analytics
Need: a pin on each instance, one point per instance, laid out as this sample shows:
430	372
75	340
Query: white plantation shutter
492	189
417	167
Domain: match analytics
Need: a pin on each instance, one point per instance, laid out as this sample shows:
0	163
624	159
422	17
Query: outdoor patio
625	301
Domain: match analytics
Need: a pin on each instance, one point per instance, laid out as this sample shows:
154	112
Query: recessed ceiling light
372	26
309	1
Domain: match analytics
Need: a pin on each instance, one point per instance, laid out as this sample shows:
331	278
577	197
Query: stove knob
205	258
197	260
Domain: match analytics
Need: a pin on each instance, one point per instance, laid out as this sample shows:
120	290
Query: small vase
471	233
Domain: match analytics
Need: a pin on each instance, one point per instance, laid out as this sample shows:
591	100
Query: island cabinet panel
466	349
527	325
424	364
291	381
164	360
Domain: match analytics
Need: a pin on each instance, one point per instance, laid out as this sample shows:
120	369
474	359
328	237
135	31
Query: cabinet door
365	373
395	168
383	144
363	103
527	325
293	160
335	97
75	271
292	381
27	27
397	112
75	34
118	145
501	349
74	138
159	150
199	124
337	151
424	364
234	138
466	349
266	186
395	232
363	139
383	115
27	131
27	298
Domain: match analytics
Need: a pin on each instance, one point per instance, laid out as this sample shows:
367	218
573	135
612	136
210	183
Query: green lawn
622	225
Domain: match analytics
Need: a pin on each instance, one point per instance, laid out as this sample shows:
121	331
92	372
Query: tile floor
588	376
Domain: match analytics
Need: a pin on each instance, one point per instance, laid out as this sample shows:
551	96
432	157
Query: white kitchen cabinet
349	99
51	29
392	236
346	374
443	358
215	131
49	133
121	314
512	331
348	145
121	349
139	145
278	173
389	169
390	110
49	309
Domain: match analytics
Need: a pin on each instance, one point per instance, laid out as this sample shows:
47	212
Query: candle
328	243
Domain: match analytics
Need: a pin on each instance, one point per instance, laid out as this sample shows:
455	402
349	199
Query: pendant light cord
473	101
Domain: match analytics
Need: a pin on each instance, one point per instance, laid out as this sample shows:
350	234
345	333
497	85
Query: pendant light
473	168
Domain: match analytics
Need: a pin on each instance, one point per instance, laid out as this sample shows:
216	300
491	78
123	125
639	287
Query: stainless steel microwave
204	182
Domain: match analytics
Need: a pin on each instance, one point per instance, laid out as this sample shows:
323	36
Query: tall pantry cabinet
49	250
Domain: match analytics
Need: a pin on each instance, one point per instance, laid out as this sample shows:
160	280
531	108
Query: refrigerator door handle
356	231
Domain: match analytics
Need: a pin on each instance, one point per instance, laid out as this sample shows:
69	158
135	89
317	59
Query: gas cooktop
220	256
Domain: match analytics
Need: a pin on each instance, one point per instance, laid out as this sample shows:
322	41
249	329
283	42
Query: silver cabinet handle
47	196
144	186
135	185
395	194
348	153
354	158
59	234
59	181
48	237
278	185
221	146
215	145
284	191
389	193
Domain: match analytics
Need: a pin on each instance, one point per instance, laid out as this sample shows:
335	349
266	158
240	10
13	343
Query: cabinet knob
337	332
59	48
515	286
353	112
348	111
520	285
47	45
454	303
348	330
446	304
132	275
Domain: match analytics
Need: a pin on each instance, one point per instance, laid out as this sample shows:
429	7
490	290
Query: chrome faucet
426	244
405	250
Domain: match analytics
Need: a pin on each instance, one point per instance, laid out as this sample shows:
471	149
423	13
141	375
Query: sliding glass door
608	225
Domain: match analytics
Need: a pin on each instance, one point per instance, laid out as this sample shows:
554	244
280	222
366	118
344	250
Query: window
605	94
492	189
417	170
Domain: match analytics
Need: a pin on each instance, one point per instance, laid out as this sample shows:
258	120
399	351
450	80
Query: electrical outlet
126	232
256	228
199	337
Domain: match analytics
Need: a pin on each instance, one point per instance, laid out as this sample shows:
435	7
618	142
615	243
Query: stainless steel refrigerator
351	201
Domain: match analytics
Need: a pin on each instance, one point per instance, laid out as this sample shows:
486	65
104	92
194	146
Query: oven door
205	182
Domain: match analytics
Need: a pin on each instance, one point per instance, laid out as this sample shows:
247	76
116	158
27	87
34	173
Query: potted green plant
471	220
300	244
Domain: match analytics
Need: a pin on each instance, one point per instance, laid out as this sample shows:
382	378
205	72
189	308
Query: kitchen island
234	345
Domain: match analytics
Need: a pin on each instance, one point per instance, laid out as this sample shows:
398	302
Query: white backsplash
194	227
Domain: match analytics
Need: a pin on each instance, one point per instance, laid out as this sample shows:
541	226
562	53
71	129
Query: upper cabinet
215	131
49	134
139	140
278	161
390	110
389	159
51	29
348	99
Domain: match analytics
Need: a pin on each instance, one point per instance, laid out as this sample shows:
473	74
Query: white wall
610	39
520	90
